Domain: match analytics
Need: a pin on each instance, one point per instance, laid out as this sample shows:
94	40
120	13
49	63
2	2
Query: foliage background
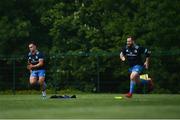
82	40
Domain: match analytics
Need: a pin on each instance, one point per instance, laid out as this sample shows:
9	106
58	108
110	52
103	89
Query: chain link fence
100	72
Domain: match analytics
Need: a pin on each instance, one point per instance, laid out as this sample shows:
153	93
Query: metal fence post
98	74
14	77
55	83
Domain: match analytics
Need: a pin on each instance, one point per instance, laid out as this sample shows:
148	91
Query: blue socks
132	84
44	86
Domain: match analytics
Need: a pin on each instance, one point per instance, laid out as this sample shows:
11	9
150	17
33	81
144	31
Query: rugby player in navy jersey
133	54
36	65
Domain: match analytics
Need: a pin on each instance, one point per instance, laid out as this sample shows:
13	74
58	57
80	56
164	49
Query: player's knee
41	80
134	76
32	81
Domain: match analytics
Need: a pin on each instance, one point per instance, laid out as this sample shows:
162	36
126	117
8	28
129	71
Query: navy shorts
38	73
136	68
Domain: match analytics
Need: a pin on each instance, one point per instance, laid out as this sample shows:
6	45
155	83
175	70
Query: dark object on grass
63	96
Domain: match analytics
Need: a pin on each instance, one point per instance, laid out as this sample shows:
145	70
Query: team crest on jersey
127	50
135	51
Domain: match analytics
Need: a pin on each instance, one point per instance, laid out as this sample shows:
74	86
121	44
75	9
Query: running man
133	53
36	65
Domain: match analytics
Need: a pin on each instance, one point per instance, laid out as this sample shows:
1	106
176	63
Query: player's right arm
122	54
122	57
29	66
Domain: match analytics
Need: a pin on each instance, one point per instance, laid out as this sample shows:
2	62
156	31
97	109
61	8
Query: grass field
90	106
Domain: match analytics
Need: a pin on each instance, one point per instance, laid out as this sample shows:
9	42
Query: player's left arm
40	64
147	54
146	63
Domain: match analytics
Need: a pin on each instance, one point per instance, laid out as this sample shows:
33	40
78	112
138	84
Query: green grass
90	106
